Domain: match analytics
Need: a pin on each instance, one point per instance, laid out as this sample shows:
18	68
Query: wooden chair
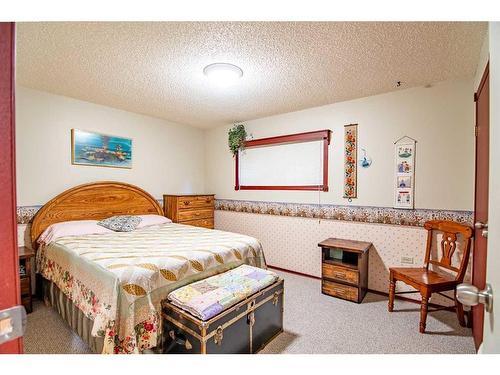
427	281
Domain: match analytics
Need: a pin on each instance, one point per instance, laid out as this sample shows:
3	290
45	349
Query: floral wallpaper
291	243
26	213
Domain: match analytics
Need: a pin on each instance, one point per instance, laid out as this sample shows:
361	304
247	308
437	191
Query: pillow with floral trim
121	223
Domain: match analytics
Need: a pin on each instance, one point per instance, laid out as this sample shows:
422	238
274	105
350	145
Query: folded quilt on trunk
207	298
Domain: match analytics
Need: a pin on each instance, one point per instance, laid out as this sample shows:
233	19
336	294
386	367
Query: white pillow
70	228
148	220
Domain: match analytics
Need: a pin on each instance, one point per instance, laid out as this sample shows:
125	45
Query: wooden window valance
283	163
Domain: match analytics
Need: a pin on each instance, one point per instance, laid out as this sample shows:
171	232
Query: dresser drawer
25	286
340	273
204	223
339	290
196	214
188	203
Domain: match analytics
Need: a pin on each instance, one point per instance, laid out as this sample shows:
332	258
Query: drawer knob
339	275
186	203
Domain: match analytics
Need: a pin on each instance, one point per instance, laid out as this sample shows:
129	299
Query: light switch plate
406	260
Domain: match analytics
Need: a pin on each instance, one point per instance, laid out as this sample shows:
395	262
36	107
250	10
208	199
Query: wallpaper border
363	214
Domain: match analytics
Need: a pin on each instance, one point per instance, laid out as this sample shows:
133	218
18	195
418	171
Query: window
288	162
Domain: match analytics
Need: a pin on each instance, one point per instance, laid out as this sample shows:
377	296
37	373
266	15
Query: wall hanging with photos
404	181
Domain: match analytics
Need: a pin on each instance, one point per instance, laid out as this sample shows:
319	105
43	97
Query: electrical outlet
406	260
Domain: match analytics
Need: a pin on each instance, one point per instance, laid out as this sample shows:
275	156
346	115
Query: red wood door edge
9	263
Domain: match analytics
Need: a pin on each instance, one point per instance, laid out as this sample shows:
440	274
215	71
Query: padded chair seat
422	276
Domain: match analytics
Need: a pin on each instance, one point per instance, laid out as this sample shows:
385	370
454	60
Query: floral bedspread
207	298
119	279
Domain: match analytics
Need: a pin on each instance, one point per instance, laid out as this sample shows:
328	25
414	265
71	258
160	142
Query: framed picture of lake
100	150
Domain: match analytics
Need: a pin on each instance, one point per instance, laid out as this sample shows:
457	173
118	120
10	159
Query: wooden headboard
94	201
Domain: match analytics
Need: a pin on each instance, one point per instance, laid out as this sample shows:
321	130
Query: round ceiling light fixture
223	74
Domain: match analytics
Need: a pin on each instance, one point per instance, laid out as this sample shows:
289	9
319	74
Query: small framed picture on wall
100	150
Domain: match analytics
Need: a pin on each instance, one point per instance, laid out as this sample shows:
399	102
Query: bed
109	286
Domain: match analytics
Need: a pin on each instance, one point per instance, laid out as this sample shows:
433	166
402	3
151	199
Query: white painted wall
483	60
441	118
167	157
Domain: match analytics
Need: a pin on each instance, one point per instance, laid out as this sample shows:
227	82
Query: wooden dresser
190	209
344	268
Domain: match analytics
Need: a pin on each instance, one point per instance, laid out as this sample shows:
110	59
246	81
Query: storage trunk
243	328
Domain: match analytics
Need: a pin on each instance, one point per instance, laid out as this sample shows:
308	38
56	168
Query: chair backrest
448	244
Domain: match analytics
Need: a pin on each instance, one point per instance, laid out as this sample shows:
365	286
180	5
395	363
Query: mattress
118	280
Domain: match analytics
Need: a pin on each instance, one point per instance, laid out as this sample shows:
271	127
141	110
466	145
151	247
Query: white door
491	333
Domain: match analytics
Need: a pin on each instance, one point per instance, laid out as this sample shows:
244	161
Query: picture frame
100	150
404	173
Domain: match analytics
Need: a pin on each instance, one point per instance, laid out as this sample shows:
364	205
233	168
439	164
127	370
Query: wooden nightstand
344	268
25	255
190	209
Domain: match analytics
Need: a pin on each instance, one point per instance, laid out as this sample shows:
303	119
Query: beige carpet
314	323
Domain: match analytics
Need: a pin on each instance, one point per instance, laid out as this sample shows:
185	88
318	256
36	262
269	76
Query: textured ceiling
156	68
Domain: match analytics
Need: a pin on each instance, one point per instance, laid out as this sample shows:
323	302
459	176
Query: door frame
478	265
9	263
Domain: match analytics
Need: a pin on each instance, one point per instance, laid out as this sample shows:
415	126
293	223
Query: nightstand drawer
340	273
25	259
204	223
196	214
340	290
25	286
26	302
188	203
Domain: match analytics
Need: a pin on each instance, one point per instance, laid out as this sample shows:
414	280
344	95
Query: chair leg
392	291
460	311
423	312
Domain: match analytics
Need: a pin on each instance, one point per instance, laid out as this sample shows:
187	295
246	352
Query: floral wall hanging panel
404	181
350	161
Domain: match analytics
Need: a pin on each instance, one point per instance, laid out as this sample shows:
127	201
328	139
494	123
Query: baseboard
435	305
294	272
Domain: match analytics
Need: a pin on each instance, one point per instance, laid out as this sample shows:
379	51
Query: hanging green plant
236	140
